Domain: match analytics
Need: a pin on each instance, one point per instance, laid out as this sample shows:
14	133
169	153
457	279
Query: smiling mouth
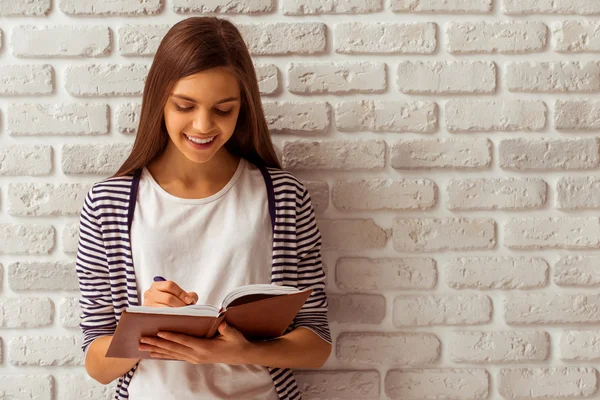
198	140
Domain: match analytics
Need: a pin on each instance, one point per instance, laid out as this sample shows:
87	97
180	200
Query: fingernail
188	299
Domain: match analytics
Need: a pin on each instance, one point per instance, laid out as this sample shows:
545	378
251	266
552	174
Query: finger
168	300
194	297
178	357
168	350
174	289
181	339
165	344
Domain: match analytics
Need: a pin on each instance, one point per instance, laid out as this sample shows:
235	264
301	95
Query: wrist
250	353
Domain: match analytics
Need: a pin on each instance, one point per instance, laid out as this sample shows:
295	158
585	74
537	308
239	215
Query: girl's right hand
168	294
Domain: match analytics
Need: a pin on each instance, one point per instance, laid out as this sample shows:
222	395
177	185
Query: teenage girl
201	201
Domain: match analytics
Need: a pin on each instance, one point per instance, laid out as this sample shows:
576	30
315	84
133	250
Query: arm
300	348
98	321
103	369
310	346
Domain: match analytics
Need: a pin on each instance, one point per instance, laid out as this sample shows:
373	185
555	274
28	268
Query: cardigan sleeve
313	314
97	312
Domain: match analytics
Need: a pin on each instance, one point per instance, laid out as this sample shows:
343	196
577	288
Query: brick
82	387
577	115
38	387
504	273
30	41
46	199
292	117
438	234
427	6
456	384
58	119
70	313
385	273
284	38
223	6
319	195
543	383
26	80
45	351
553	233
441	153
25	160
105	79
386	116
356	308
26	312
110	8
141	40
577	271
578	193
580	345
267	76
499	347
511	37
548	154
70	237
351	234
337	78
574	7
99	159
378	348
385	38
446	77
333	154
26	239
576	36
553	76
43	275
495	115
384	194
496	194
30	8
550	308
430	310
128	118
324	384
312	7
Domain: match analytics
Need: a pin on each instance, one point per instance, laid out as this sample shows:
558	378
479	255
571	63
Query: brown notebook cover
259	317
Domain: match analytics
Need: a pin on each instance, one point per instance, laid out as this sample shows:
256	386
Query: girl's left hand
229	348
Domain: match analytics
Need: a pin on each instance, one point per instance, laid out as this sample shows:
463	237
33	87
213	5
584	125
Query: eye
182	109
223	112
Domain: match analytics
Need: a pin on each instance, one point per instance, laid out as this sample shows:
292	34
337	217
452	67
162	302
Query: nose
203	122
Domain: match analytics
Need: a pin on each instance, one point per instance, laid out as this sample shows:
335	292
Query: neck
172	167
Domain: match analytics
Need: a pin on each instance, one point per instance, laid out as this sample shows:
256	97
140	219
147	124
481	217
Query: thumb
227	330
223	328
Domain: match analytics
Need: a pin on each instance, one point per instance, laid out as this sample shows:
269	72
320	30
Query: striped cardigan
107	276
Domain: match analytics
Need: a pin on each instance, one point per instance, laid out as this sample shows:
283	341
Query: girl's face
201	113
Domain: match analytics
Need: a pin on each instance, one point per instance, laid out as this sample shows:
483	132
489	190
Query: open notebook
258	311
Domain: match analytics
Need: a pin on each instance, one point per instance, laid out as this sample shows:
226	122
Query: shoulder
285	181
113	188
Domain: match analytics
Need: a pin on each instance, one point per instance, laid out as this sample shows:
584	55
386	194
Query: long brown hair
193	45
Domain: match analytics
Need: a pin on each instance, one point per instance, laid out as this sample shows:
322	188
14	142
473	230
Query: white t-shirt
208	246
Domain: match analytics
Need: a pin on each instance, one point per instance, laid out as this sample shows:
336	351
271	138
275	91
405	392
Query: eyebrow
184	97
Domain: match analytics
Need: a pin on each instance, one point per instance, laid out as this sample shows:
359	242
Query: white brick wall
451	150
